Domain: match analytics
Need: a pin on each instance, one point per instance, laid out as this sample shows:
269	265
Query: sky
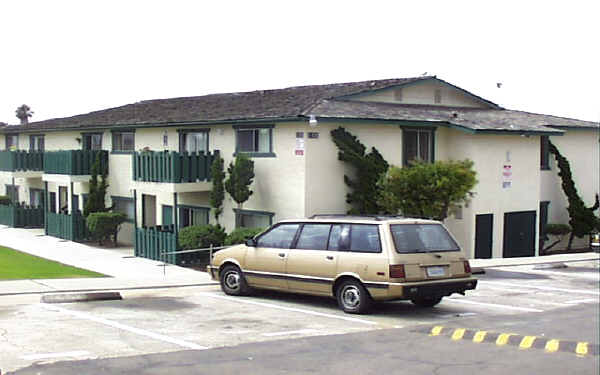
64	58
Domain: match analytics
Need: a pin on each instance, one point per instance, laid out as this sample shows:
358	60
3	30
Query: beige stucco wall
423	93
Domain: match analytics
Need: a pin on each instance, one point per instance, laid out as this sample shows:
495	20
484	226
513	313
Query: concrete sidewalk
125	271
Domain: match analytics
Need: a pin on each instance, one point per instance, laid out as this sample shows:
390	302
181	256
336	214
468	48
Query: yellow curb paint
435	331
527	342
582	348
503	339
458	334
479	336
552	345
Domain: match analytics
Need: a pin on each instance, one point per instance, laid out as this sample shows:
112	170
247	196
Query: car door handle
329	257
282	255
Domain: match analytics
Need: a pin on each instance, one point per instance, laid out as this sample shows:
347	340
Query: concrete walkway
125	271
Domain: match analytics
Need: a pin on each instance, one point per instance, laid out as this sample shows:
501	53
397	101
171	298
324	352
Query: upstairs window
417	146
194	141
92	141
256	141
544	152
36	142
123	141
12	141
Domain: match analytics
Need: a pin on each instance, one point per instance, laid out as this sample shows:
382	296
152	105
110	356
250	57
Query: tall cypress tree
217	193
368	169
95	201
581	218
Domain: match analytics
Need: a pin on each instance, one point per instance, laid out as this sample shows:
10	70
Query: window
365	238
12	191
253	219
123	141
92	141
189	216
314	237
63	204
52	206
256	141
36	142
544	152
36	197
194	141
421	238
12	141
339	237
124	205
280	237
417	146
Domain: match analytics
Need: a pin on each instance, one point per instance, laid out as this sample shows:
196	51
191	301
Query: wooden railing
17	216
14	161
69	227
173	167
74	162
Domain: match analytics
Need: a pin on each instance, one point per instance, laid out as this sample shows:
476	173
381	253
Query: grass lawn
16	265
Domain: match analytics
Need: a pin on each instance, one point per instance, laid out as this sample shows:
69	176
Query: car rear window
422	238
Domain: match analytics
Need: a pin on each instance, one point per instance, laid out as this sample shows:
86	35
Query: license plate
435	271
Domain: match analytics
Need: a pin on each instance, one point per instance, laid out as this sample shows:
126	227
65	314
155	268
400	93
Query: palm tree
24	113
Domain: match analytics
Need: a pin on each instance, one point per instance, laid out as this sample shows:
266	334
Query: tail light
467	266
397	271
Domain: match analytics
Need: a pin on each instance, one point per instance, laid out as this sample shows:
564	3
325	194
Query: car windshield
422	238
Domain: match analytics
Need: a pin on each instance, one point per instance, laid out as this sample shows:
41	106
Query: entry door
484	229
519	234
148	210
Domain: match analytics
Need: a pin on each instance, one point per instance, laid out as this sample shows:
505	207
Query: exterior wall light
312	121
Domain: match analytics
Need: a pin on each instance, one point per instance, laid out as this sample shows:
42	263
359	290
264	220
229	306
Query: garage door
519	234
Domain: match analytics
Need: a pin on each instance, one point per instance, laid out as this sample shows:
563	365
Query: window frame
12	191
91	135
116	199
117	133
181	207
11	136
183	134
256	154
239	212
431	144
32	142
545	153
41	192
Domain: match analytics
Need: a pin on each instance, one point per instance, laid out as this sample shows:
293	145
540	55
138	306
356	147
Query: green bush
240	235
104	225
201	236
557	229
5	200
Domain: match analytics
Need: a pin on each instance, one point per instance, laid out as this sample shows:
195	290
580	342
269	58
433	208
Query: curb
522	342
108	289
80	297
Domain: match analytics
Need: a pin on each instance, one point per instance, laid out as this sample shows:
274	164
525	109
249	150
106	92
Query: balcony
17	216
178	172
74	162
22	163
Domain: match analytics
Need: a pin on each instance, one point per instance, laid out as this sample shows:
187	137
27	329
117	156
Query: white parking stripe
578	301
493	305
36	357
269	305
519	286
286	333
138	331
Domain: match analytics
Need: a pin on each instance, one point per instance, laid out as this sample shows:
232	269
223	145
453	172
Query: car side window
339	237
314	237
364	238
280	237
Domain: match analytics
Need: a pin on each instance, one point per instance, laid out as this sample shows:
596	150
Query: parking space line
123	327
37	357
269	305
287	333
493	305
578	301
540	287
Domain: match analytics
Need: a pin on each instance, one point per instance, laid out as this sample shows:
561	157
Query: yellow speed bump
435	331
458	334
479	336
527	342
503	338
582	348
552	346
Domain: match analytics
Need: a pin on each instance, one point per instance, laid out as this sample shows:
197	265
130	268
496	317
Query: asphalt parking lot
201	318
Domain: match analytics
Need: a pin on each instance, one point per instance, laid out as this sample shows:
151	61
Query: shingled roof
324	101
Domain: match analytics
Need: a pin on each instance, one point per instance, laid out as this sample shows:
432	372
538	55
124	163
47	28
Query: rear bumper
431	289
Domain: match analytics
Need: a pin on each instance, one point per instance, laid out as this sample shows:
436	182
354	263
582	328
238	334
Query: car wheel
352	297
233	282
426	301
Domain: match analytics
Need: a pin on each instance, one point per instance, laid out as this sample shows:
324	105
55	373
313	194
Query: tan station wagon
355	259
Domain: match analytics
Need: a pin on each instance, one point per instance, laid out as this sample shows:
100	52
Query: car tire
233	281
352	297
426	301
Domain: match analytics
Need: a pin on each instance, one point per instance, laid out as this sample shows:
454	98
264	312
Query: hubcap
351	296
232	280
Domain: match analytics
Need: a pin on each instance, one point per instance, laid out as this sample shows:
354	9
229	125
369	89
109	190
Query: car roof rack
349	216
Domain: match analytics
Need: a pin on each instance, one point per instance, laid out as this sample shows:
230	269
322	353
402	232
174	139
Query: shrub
201	236
240	235
5	200
103	225
557	229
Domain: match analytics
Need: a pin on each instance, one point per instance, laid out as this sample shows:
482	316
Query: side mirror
251	242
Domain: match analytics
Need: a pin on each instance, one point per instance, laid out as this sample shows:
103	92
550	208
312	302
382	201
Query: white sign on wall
506	176
299	149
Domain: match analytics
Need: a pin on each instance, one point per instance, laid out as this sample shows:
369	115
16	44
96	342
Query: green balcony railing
74	162
173	167
14	161
152	242
22	216
69	227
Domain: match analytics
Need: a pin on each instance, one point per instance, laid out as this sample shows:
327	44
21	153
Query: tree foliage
581	218
367	167
240	235
427	190
241	175
104	225
217	193
23	113
96	197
